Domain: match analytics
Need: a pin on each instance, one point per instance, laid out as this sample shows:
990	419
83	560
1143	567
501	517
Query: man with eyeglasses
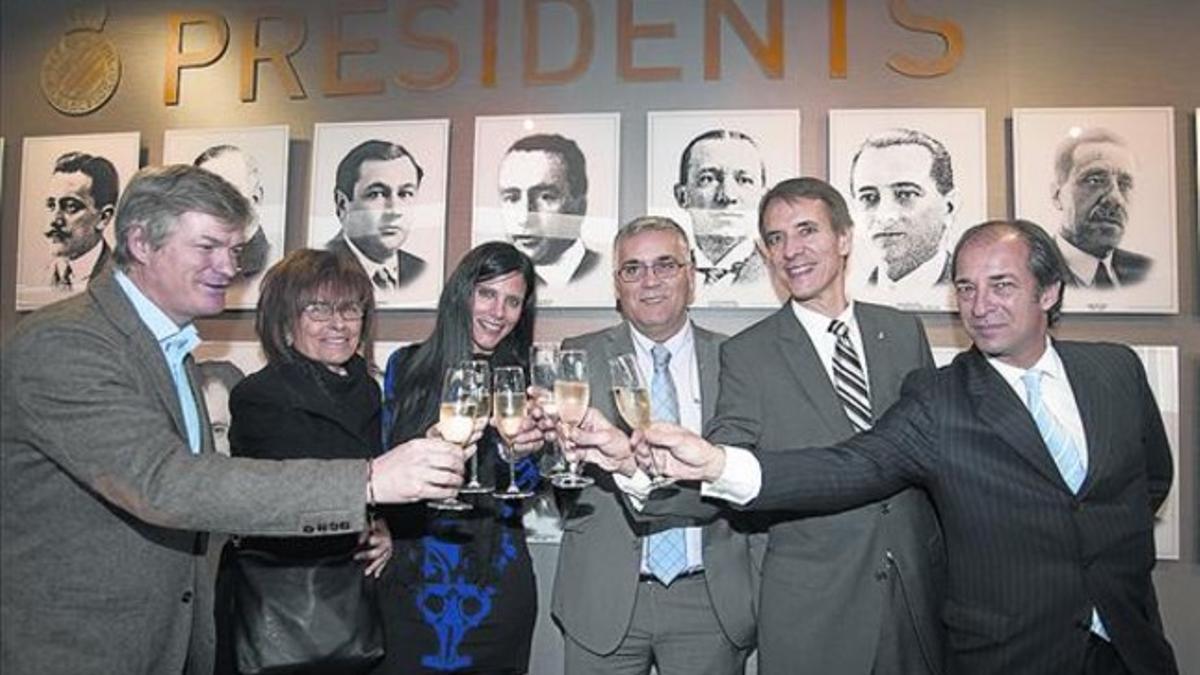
693	613
109	478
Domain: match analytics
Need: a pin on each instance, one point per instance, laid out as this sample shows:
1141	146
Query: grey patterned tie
849	380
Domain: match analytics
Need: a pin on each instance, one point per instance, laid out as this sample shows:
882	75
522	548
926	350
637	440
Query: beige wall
1018	54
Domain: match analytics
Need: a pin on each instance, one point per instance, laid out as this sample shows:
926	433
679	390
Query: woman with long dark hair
460	594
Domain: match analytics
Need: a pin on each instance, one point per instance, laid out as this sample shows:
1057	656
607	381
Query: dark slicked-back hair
348	168
300	278
572	159
102	172
794	189
715	135
157	196
1046	262
941	169
420	378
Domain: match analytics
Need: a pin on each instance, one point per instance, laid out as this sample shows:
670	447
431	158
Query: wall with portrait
376	66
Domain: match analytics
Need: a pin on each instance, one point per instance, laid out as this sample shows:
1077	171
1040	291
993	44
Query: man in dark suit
851	592
108	477
1046	461
543	186
619	615
1093	187
82	199
375	194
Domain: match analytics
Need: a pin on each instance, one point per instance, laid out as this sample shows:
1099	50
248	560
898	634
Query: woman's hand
376	543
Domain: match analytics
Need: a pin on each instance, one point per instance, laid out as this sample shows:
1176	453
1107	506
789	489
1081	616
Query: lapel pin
880	336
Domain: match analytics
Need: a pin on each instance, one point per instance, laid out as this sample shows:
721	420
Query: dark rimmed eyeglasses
663	268
321	311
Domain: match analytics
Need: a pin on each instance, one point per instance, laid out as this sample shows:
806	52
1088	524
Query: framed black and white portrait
69	191
548	184
379	196
1162	374
707	170
914	179
1102	181
220	366
255	161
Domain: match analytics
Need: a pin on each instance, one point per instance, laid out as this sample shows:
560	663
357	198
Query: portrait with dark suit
1046	460
70	188
1102	181
708	170
856	591
255	161
547	184
378	197
617	612
110	451
914	179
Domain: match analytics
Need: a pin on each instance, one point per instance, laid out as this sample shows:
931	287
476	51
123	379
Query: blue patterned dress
459	595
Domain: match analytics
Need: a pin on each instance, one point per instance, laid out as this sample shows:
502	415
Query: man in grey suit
854	592
617	611
108	477
1046	460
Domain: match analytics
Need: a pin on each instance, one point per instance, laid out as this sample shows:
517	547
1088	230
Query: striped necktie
848	379
1062	449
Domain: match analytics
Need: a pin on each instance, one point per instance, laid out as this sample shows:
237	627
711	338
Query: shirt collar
926	275
391	265
559	272
171	338
1050	364
1082	263
816	323
676	344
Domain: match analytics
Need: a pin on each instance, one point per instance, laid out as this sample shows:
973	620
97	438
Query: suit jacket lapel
997	406
113	302
1093	398
801	357
708	361
882	373
193	375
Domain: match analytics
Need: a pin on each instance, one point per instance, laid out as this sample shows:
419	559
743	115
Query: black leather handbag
303	615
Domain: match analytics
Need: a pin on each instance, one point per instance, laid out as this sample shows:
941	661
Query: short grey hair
156	197
649	224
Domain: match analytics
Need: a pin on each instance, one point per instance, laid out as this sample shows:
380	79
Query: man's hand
678	453
423	468
598	442
528	440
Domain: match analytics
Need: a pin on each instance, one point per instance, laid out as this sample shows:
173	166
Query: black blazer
1027	559
411	266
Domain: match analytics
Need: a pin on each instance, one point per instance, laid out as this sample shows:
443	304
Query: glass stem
474	482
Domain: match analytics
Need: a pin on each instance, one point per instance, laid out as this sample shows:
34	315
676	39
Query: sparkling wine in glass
632	394
543	371
571	393
482	379
456	421
508	401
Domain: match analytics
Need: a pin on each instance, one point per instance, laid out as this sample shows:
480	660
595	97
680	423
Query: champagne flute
632	394
456	422
508	396
571	399
543	371
482	376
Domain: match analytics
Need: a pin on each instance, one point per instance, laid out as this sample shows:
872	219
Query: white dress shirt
1083	264
559	272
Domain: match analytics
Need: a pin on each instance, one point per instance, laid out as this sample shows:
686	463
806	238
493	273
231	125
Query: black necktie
1102	280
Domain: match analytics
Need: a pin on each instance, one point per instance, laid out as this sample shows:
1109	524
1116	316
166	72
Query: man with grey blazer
855	592
108	478
617	611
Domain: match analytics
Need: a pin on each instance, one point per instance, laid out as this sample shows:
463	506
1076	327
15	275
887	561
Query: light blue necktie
666	551
1063	451
176	348
1066	455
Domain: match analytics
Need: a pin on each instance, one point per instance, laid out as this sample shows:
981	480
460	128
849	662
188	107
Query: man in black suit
1046	461
375	192
543	187
1093	187
81	202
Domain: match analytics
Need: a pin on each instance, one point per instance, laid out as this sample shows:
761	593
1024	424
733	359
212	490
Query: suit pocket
970	628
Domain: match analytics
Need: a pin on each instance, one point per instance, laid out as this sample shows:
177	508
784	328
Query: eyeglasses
664	268
321	311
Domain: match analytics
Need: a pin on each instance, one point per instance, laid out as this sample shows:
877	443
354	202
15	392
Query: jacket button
885	508
881	575
187	597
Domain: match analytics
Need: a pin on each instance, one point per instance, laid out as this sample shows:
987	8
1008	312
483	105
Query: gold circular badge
81	73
